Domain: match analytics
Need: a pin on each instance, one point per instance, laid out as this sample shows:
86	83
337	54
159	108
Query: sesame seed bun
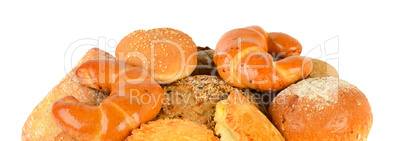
168	54
324	108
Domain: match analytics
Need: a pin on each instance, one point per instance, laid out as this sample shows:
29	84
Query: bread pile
160	86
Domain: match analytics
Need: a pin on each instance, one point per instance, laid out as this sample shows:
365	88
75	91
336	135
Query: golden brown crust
40	124
195	98
167	53
172	130
324	108
244	59
238	119
322	69
127	106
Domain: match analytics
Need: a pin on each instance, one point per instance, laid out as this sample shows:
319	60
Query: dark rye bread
195	98
205	62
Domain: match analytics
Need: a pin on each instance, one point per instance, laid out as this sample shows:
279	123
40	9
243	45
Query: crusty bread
205	62
172	130
239	120
322	69
40	124
195	98
317	109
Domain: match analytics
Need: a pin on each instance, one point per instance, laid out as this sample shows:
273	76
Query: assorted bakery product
324	108
172	130
40	124
146	93
134	99
195	98
205	62
244	59
239	120
322	69
168	54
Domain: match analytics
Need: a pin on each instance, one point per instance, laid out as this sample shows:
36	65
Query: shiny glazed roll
244	59
134	99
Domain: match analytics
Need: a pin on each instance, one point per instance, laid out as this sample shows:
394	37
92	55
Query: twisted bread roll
40	125
134	99
243	59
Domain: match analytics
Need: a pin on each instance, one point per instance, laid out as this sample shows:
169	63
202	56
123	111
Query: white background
35	36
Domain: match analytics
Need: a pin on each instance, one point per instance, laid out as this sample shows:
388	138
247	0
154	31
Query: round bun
322	69
172	130
168	54
324	108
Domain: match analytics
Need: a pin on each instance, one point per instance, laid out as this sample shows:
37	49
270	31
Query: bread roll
239	120
134	99
205	62
322	69
172	130
317	109
244	59
168	54
195	98
40	124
